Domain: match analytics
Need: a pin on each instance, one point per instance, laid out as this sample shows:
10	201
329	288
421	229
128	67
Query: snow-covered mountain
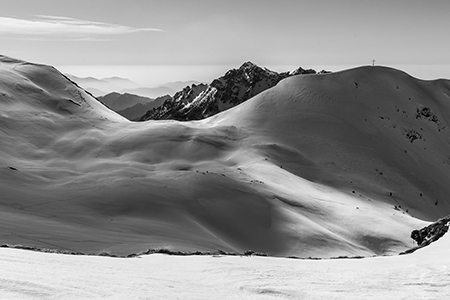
348	163
200	101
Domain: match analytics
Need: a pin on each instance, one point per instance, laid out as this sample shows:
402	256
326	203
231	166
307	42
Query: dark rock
429	234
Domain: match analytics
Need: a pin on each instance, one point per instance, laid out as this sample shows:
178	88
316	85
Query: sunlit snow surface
342	164
424	274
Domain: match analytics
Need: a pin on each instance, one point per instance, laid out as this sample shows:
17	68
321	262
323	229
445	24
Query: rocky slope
200	101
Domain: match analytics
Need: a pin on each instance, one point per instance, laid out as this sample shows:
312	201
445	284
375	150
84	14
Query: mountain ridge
134	113
316	166
229	90
131	106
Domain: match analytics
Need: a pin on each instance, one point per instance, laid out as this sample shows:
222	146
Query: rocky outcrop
236	86
177	107
429	234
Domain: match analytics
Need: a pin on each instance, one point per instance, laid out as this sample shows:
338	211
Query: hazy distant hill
135	112
123	83
117	101
131	106
102	87
178	85
150	92
95	92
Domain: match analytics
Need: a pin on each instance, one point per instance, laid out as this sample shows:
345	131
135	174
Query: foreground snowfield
425	274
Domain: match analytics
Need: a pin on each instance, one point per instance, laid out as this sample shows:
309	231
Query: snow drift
319	165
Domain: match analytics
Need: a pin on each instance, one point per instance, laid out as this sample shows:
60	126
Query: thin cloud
69	27
44	38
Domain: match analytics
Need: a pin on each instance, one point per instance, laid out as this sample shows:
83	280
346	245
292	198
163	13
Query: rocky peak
301	71
189	93
236	86
248	65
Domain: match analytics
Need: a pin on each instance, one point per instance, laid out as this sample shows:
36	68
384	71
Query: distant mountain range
150	92
178	85
126	97
193	101
117	101
134	113
100	87
200	101
104	86
131	106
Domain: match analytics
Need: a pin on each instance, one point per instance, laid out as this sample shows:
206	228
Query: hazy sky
96	36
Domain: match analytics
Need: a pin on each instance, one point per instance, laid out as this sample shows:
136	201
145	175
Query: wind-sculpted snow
318	166
352	127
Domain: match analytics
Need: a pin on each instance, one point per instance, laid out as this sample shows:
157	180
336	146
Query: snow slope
34	275
373	130
306	168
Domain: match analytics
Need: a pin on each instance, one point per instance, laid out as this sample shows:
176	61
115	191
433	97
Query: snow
296	170
35	275
318	166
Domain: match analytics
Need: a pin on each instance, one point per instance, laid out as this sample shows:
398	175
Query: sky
151	41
